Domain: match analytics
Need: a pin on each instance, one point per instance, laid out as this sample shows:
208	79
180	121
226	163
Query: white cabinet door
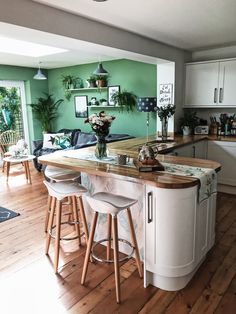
200	149
227	84
170	227
225	154
184	151
202	228
201	84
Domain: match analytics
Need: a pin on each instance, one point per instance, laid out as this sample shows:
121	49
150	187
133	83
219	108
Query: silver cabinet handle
215	95
194	151
150	207
221	95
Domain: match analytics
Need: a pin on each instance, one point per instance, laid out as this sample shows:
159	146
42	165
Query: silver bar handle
150	207
221	95
215	95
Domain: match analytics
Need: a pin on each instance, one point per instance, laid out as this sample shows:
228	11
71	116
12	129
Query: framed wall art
81	109
165	94
110	92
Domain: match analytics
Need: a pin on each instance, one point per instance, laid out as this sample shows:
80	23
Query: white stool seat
64	189
108	203
58	174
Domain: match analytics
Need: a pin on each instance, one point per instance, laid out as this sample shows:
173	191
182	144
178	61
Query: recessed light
25	48
99	0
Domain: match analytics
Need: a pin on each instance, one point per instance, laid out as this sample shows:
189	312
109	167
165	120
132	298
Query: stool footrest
67	238
103	260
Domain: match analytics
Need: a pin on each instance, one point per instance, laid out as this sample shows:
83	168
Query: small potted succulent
103	102
188	122
91	81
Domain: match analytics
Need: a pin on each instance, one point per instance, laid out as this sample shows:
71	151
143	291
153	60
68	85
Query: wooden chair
7	139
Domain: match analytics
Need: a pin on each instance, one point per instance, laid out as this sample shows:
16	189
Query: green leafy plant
46	111
189	119
101	80
69	82
165	112
125	100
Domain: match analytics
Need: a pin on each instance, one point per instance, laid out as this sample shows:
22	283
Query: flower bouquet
164	113
19	150
100	124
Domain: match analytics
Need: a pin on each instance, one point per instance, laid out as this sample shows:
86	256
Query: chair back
7	139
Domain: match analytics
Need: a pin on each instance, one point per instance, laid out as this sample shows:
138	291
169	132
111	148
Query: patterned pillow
48	139
61	141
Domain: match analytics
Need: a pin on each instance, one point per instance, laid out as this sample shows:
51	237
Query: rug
6	214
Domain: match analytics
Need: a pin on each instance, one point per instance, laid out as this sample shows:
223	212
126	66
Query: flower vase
101	146
164	129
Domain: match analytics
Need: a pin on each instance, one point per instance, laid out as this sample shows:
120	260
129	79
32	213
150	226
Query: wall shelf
112	107
98	89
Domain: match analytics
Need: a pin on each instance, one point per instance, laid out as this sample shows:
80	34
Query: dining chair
7	139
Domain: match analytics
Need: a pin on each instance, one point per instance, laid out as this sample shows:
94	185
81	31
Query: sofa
76	140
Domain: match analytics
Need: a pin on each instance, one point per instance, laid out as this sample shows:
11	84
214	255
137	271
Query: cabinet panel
200	149
201	87
202	228
225	154
227	83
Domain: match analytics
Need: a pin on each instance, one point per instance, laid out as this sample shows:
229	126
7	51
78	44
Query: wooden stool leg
50	223
109	218
116	257
89	246
58	233
3	165
24	163
134	243
48	210
83	218
76	217
8	169
28	171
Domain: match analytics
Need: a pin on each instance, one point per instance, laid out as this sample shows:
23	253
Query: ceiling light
99	0
39	75
24	48
100	70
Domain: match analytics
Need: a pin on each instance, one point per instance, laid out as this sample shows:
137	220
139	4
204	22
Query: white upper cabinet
210	84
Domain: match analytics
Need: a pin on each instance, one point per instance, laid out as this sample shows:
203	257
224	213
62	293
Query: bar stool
59	191
56	174
111	204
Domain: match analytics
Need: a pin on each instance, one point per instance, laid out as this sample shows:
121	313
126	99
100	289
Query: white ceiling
187	24
79	52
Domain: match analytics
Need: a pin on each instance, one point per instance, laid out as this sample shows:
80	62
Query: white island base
174	231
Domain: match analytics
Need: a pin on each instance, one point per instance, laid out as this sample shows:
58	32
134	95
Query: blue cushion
85	139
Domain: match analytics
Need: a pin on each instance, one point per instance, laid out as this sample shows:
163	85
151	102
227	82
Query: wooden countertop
158	179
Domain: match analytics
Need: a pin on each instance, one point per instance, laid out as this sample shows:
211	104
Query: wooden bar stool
56	174
59	191
111	204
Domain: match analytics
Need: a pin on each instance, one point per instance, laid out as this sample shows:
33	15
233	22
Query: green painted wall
137	77
33	88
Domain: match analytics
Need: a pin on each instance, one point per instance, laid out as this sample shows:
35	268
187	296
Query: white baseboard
229	189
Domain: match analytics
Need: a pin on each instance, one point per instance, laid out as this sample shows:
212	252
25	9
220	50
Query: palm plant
46	110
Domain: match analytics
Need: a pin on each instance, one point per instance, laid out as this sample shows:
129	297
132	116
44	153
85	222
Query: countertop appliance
201	129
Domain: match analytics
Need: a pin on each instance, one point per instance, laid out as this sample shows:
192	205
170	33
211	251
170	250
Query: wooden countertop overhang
130	147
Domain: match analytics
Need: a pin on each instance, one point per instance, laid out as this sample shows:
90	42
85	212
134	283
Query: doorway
13	113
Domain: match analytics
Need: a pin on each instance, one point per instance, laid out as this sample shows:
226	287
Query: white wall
166	75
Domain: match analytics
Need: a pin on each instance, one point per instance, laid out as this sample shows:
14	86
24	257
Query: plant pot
187	131
101	83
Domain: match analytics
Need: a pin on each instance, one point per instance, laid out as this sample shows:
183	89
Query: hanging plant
125	100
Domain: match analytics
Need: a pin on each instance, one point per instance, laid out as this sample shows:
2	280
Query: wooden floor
28	284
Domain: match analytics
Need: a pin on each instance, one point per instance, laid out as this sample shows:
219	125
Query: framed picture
81	109
111	91
165	94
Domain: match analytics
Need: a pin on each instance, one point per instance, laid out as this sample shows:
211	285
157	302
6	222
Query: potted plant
125	100
46	110
164	113
92	81
103	102
188	122
101	80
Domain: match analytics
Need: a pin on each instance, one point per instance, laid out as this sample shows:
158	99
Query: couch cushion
49	138
85	139
62	141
